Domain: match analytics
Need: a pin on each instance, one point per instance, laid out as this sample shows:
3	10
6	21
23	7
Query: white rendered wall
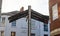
3	26
21	28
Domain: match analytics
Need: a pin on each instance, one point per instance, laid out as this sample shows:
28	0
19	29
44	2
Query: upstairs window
3	20
45	27
14	23
32	24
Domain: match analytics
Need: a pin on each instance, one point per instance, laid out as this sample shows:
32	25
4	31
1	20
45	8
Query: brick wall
56	23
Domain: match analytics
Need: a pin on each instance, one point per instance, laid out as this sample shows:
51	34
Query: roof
34	15
10	13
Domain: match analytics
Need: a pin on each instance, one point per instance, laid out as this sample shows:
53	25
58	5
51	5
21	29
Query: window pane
45	35
14	23
2	33
13	33
32	34
45	27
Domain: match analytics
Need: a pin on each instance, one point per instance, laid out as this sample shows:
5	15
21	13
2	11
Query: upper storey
34	15
54	10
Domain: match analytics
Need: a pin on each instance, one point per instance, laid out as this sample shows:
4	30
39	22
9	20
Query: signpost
29	20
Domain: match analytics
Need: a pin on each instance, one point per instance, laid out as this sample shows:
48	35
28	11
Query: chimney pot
22	9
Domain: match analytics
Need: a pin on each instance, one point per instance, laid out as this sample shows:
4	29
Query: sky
40	6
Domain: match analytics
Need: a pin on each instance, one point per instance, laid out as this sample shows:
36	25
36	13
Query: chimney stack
22	9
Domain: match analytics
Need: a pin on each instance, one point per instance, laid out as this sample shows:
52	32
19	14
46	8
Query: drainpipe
0	10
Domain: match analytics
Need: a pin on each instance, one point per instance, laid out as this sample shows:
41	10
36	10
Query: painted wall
21	28
3	26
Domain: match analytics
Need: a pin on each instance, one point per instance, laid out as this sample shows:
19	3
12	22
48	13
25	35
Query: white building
16	25
4	21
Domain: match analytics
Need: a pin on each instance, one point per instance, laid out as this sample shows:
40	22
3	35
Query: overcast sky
40	6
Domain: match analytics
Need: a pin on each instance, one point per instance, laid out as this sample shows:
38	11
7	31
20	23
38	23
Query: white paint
21	28
55	11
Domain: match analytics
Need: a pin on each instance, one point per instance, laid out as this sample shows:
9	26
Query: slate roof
34	15
10	13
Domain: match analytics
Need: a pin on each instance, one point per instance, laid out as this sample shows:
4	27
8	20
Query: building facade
4	21
54	10
16	24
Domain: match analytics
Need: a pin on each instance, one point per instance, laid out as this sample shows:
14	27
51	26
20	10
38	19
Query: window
13	34
45	27
2	33
45	35
32	34
55	12
32	24
14	23
3	20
